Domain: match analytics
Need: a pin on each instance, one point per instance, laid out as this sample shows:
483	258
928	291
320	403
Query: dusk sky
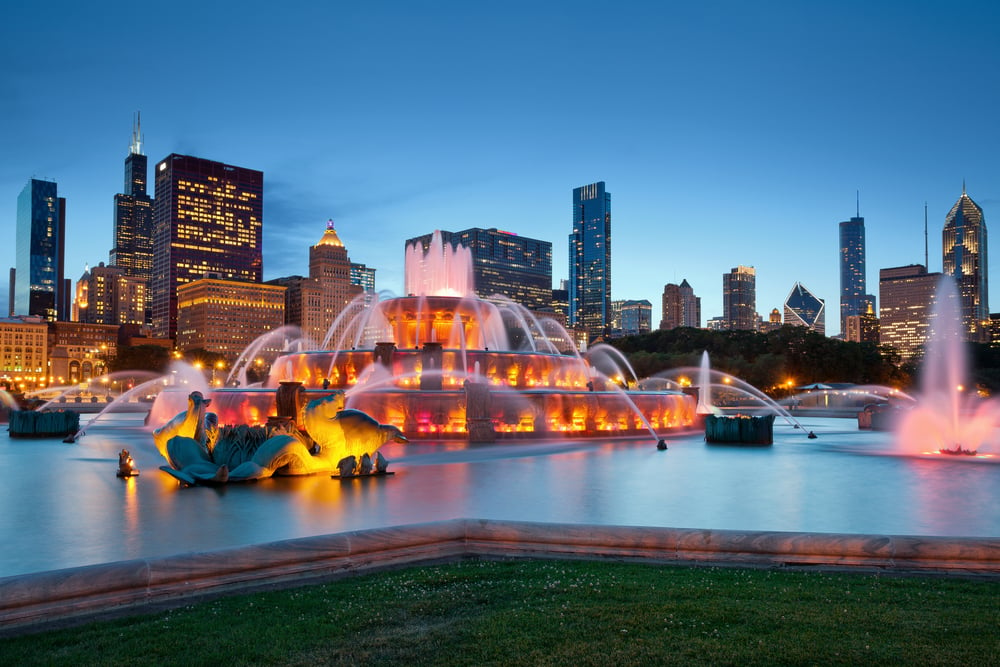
728	133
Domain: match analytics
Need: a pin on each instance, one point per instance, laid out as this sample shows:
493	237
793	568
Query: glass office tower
590	261
39	287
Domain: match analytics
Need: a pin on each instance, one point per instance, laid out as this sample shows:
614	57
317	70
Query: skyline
707	124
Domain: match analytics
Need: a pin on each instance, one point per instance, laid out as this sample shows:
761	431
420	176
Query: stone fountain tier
477	411
432	363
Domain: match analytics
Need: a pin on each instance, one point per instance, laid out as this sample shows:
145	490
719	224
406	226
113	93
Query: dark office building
739	299
133	250
39	284
965	258
590	260
207	219
517	267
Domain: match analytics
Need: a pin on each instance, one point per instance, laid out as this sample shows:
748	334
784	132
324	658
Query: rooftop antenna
135	147
926	260
858	195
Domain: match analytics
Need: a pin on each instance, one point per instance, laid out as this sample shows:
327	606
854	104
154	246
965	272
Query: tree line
769	360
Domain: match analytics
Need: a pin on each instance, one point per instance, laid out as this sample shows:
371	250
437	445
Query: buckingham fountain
442	363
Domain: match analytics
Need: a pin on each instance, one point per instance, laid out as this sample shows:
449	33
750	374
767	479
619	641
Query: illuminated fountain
949	416
441	362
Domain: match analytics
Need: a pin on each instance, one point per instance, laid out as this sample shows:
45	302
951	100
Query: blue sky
727	132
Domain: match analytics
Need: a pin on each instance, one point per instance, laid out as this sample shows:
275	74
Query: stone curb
59	595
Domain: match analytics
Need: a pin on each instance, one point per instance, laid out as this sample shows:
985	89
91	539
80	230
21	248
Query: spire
857	194
926	256
963	187
135	147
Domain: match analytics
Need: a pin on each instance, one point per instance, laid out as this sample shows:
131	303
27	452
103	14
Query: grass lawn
557	613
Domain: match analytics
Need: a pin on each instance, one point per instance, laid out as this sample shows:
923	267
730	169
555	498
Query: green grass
557	613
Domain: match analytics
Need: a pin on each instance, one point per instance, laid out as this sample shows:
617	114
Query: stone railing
78	593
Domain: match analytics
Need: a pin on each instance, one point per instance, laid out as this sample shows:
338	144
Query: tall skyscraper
517	267
207	220
313	303
906	297
590	260
963	245
805	309
681	308
739	298
39	285
133	249
854	299
330	267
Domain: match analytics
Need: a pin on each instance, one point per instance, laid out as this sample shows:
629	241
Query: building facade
503	263
805	309
207	220
330	269
854	299
965	258
80	352
23	353
680	307
636	317
39	285
739	298
363	276
906	296
590	260
133	249
226	316
106	295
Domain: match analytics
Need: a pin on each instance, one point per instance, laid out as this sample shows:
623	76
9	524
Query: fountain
440	363
949	417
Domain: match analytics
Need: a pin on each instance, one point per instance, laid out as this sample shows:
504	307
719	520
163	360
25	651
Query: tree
141	358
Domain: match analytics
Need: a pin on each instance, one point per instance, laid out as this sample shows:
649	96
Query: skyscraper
133	249
330	267
963	246
39	287
805	309
739	298
590	260
681	308
853	297
517	267
906	296
207	219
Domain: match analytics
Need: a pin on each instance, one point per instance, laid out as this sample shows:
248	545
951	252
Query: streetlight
219	365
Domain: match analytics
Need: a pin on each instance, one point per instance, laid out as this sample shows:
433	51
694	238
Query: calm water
61	505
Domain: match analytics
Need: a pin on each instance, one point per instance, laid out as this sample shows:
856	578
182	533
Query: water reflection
64	506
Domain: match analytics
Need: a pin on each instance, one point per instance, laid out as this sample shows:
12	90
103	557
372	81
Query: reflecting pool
63	506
